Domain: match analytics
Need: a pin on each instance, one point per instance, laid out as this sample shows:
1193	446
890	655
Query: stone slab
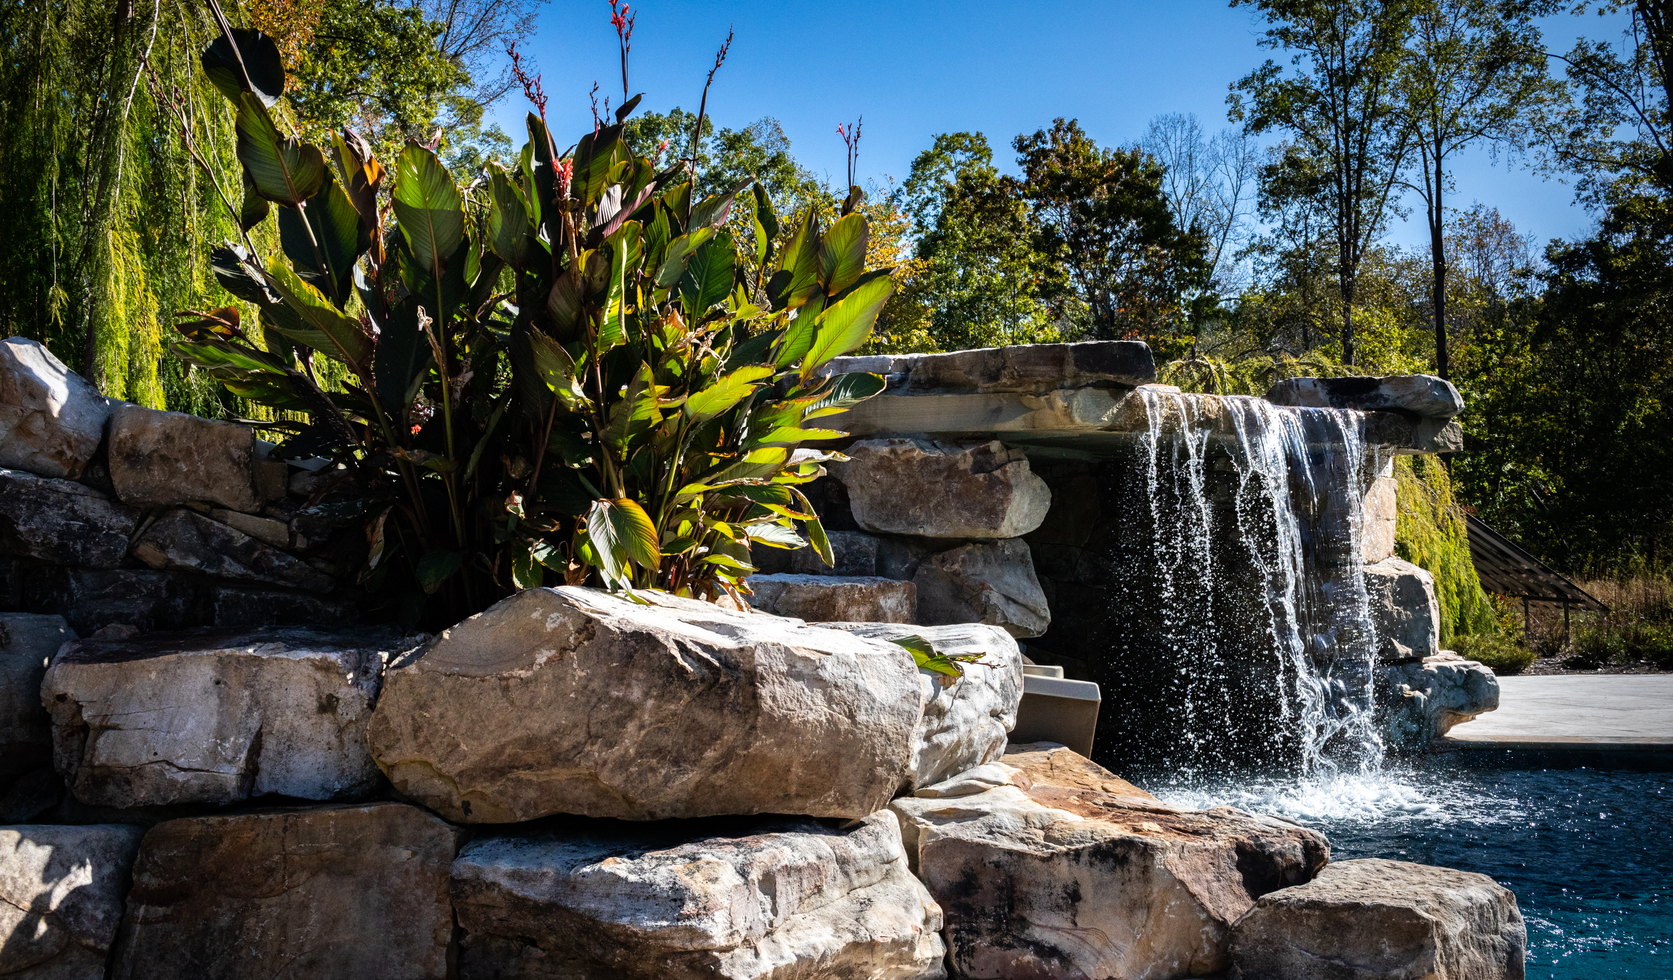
61	894
62	522
1421	395
835	599
942	489
738	899
349	892
27	643
1020	368
217	716
183	540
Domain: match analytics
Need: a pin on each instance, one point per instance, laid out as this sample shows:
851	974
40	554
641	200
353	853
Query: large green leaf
679	250
708	276
766	225
436	567
726	392
845	391
633	413
403	354
797	279
261	61
324	327
282	169
338	236
508	220
428	208
620	531
847	323
557	369
253	209
799	335
842	253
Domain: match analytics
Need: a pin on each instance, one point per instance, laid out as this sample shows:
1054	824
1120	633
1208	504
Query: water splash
1293	480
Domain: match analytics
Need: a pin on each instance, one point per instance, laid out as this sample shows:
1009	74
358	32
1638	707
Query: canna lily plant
567	371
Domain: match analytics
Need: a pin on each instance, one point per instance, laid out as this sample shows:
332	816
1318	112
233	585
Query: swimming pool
1588	852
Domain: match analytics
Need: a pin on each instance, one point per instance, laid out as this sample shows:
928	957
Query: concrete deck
1588	719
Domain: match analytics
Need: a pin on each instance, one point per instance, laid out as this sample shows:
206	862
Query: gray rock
51	419
264	529
1380	514
1071	412
62	522
942	490
1404	610
1030	368
855	553
983	583
966	719
742	900
1422	701
1383	920
574	701
185	541
61	891
832	599
160	459
1048	868
217	716
238	607
1409	436
1418	394
348	892
90	599
27	642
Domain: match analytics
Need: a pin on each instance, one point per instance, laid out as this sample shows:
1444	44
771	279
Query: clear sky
917	69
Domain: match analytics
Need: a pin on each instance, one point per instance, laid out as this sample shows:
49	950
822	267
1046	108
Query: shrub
1501	653
1429	532
568	370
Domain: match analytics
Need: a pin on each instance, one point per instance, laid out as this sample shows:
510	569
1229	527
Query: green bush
1501	653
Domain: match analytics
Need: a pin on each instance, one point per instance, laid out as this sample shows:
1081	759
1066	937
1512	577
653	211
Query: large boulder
61	892
1421	701
942	490
51	419
966	720
830	598
161	459
216	716
185	541
1062	872
1380	515
1421	395
347	892
740	900
27	642
1373	919
570	700
1404	610
991	582
62	522
1030	368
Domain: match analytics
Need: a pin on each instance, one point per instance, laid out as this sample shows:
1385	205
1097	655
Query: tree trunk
1437	253
1347	323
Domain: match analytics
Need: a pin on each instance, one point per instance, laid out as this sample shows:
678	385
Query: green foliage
1429	532
567	369
924	655
1501	653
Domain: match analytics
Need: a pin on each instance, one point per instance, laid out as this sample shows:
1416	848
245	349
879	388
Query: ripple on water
1588	852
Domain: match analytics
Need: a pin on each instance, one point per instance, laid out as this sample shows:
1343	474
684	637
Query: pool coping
1563	751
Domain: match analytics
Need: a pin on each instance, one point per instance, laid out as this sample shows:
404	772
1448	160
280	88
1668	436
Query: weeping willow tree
107	216
118	170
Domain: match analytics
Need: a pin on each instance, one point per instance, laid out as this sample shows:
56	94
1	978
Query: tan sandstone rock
61	891
51	419
835	599
215	716
160	459
1061	879
942	490
1373	919
350	892
574	701
739	900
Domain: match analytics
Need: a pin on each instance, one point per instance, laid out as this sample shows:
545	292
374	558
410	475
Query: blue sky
914	70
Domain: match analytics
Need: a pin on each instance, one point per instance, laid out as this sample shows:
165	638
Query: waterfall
1254	531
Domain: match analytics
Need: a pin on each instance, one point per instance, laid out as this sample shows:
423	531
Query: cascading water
1241	567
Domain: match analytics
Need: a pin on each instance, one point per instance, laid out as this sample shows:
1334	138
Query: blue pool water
1589	853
